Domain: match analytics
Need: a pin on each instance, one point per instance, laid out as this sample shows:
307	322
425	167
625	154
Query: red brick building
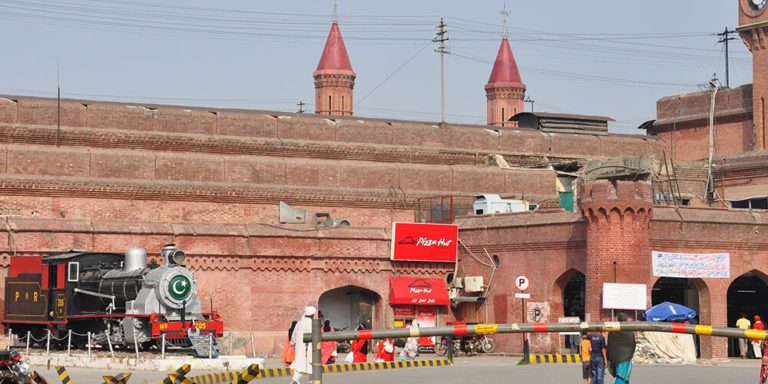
116	175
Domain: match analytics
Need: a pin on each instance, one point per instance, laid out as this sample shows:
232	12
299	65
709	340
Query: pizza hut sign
424	242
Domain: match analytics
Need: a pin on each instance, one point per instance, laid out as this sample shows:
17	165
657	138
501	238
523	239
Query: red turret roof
334	60
505	73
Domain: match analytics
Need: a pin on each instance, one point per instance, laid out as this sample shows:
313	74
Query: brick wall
683	123
266	124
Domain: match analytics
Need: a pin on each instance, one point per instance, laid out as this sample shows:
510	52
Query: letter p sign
521	282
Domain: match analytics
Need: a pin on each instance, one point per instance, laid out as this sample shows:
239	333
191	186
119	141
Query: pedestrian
764	364
586	355
597	358
620	350
756	344
744	324
288	351
411	348
302	362
385	350
328	347
360	348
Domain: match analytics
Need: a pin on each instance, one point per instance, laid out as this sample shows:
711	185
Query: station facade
108	176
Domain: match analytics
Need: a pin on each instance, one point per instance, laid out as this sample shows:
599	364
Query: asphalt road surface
486	370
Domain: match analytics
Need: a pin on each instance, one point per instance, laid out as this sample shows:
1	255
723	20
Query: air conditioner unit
473	284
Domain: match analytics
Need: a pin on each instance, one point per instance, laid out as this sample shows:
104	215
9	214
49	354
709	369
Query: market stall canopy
667	311
418	291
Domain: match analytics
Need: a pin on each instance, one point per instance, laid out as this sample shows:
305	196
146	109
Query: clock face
757	5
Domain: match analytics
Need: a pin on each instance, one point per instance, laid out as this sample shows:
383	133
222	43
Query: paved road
492	370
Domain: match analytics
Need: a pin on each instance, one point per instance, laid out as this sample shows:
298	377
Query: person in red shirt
758	324
360	348
385	350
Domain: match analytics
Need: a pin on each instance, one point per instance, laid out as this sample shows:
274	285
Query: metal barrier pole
29	338
69	342
136	345
89	344
48	344
317	353
9	338
253	347
450	348
109	342
231	337
162	346
210	345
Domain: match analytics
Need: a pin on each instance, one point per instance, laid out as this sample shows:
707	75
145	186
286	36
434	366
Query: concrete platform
129	364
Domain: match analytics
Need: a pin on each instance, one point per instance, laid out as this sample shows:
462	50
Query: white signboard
521	282
624	296
522	295
703	265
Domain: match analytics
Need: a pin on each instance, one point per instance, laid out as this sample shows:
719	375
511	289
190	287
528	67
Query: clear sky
594	57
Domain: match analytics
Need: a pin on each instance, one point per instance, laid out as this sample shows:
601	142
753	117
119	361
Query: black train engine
110	295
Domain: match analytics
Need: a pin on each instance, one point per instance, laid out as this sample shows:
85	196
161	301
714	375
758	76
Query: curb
226	377
554	358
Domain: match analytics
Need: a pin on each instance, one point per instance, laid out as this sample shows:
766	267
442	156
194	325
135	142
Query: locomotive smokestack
135	258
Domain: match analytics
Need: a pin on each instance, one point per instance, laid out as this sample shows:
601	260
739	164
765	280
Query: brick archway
746	294
350	305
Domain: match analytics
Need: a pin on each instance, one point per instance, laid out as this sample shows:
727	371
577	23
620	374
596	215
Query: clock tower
753	29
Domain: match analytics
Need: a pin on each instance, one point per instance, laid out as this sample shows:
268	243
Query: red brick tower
504	91
618	217
753	28
334	77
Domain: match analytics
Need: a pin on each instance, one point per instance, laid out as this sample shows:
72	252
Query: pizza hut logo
420	286
426	242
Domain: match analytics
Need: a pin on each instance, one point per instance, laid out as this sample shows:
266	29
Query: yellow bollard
178	379
38	379
247	374
63	375
178	374
121	378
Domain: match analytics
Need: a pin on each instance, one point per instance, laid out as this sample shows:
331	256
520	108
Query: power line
393	73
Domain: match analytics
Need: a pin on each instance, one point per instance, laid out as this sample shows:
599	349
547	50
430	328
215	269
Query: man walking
586	355
621	349
302	362
743	323
598	358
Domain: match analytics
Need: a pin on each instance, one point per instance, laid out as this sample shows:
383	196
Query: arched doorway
681	291
747	295
348	306
573	296
676	290
570	288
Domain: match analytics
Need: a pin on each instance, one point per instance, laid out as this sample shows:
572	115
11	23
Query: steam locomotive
110	295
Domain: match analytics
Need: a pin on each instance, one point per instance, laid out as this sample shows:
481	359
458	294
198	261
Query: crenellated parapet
625	202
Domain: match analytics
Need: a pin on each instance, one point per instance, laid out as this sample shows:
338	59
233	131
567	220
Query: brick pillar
617	217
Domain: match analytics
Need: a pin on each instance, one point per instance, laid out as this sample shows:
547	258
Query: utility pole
442	50
301	105
724	38
711	147
529	100
58	106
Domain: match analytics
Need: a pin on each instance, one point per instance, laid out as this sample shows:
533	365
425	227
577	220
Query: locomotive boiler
118	299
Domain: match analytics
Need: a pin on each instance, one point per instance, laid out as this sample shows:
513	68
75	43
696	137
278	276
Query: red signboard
424	242
418	291
427	317
404	310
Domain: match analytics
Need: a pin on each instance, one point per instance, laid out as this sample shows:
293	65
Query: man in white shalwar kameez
302	362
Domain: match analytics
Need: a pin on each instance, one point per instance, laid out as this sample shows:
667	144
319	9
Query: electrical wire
393	73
